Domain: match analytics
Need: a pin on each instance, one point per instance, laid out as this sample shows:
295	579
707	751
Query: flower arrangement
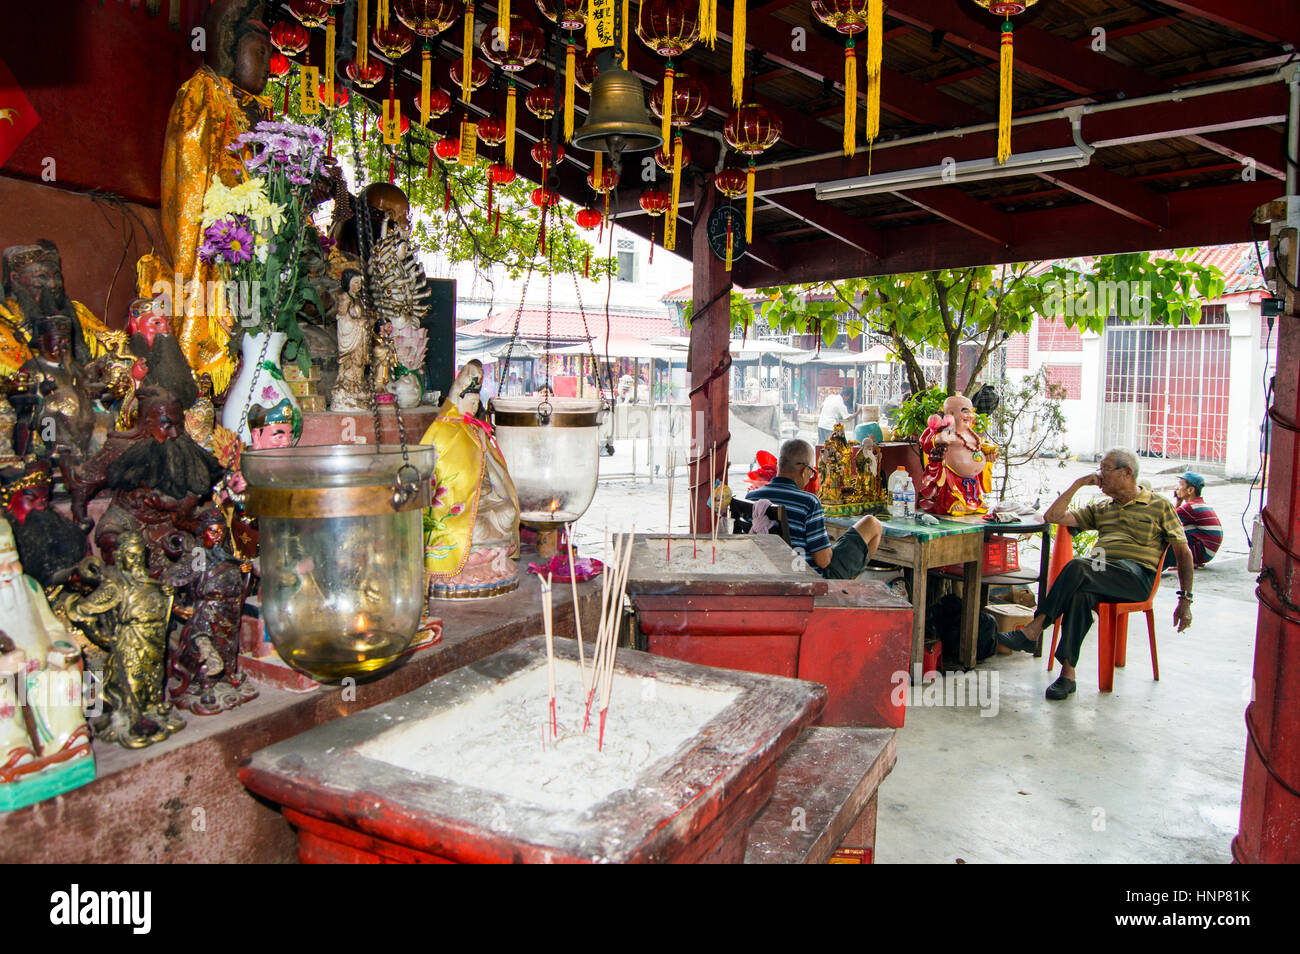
255	230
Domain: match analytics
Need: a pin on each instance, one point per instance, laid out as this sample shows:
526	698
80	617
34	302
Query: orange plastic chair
1112	635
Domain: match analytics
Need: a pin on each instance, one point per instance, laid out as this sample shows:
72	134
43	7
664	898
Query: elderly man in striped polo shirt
1133	529
807	521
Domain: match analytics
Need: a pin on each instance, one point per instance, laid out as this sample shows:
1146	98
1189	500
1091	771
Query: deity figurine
49	544
400	285
65	416
40	670
959	463
159	476
31	288
110	376
279	425
8	420
383	359
127	616
220	102
159	360
350	389
205	661
472	529
867	467
834	468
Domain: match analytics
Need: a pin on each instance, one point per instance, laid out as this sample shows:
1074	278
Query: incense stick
577	613
713	504
612	640
672	467
590	690
693	470
550	651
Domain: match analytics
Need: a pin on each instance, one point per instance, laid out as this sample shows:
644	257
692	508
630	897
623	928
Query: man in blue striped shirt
807	521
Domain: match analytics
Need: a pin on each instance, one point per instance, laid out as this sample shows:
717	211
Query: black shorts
848	557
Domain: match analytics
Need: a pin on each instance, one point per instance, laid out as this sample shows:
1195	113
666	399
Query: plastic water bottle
902	495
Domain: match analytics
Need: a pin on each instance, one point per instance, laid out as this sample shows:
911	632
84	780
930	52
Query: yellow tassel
670	224
749	203
737	52
850	100
875	60
381	14
626	32
730	244
467	41
308	80
570	56
510	125
709	22
1006	62
503	23
426	85
597	166
666	127
363	34
330	58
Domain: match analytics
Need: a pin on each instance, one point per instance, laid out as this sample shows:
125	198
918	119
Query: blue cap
1194	480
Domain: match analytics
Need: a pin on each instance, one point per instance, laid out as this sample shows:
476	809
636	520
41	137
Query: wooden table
924	547
353	804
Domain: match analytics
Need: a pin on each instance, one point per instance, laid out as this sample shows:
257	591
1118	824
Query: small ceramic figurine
127	615
350	390
279	425
40	670
959	463
205	663
472	529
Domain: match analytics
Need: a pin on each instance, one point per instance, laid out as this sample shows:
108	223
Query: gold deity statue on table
849	474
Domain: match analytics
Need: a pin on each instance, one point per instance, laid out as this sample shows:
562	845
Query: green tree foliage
449	200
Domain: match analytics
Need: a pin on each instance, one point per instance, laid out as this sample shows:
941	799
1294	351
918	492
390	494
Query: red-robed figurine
959	463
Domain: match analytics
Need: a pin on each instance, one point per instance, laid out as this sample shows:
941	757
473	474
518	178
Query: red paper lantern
492	130
290	38
544	197
439	103
427	18
730	182
366	76
655	201
340	94
541	153
846	16
501	174
478	73
587	218
568	14
690	99
526	42
669	27
279	65
584	71
310	13
1006	8
394	40
608	179
447	149
541	102
752	129
664	156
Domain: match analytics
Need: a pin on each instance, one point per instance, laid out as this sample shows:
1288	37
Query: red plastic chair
1062	553
1112	635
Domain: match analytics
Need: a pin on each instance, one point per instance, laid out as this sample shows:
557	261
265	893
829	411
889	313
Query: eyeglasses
809	467
1107	470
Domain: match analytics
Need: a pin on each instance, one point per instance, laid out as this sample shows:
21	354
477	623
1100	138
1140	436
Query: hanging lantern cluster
1006	66
854	18
751	130
426	19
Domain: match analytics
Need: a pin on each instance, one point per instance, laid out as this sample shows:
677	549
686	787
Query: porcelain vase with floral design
260	382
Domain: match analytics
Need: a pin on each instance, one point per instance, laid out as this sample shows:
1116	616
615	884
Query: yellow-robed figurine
219	103
472	529
31	288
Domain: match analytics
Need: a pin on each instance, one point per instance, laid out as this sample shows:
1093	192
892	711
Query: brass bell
618	120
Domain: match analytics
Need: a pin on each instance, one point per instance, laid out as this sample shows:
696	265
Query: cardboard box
1010	615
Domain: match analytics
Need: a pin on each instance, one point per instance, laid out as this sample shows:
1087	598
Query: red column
710	355
1270	805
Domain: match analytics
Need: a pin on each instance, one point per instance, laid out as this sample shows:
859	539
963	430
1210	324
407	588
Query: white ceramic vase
259	376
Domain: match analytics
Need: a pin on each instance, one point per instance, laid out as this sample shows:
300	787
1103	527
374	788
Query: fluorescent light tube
955	173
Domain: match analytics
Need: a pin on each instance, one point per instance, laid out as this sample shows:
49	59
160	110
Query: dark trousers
1080	587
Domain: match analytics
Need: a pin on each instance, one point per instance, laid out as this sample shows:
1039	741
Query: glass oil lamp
342	552
551	447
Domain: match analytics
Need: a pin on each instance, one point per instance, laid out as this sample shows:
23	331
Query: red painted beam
848	229
1274	20
1261	146
952	205
710	345
1122	196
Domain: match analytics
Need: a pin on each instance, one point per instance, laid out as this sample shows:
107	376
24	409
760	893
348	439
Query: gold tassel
875	59
381	14
570	55
730	244
510	125
749	202
1006	63
709	22
308	80
670	224
503	23
850	99
737	52
330	58
467	41
626	33
666	127
426	84
598	166
363	34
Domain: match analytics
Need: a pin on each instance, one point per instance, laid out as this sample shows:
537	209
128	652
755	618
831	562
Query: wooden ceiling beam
1257	148
1122	196
841	226
1277	21
952	205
